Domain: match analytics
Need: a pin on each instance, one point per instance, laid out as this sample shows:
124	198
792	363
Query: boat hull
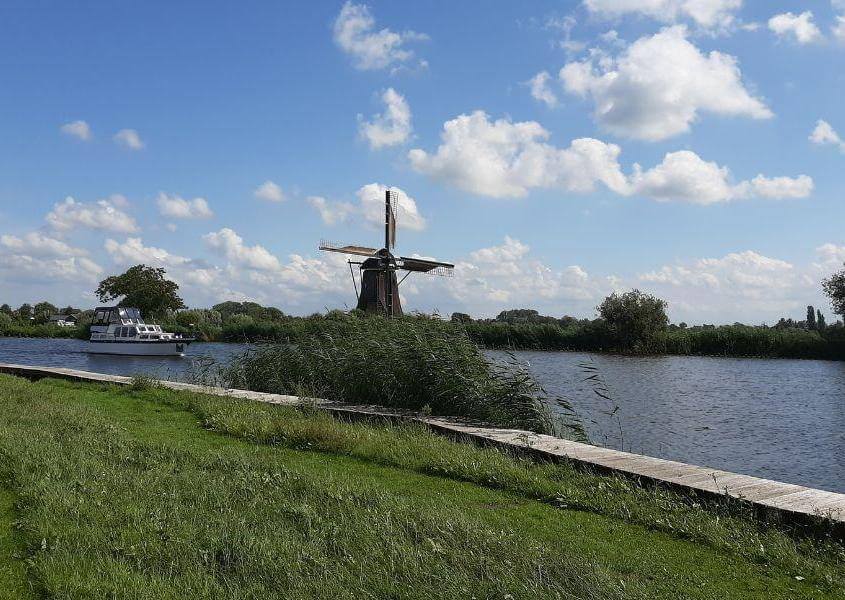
150	348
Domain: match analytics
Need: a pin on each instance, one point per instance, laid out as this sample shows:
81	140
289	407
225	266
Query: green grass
13	577
136	493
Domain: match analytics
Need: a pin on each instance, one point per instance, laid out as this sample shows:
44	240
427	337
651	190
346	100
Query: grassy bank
136	494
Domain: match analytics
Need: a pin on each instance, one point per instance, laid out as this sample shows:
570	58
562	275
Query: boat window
132	332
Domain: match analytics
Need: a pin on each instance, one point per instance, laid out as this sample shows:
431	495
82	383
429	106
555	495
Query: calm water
779	419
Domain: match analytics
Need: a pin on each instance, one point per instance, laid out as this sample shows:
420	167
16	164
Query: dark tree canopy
142	287
252	309
459	317
834	287
811	318
43	311
635	320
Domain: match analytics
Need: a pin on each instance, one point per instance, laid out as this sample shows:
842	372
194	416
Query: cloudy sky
555	151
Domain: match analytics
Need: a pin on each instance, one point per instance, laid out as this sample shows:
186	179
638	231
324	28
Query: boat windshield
132	314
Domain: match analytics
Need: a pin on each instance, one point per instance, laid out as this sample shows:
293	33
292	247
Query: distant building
63	320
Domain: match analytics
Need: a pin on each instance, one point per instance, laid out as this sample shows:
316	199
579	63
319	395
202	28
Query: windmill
379	290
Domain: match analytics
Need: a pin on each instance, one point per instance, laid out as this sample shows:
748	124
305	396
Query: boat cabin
122	323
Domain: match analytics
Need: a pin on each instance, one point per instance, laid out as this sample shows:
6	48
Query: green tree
820	322
6	310
834	287
142	287
635	321
25	312
43	310
811	318
459	317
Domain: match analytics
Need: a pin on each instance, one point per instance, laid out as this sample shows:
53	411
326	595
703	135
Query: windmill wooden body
379	284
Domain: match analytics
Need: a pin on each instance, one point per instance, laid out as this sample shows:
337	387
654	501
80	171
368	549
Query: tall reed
411	363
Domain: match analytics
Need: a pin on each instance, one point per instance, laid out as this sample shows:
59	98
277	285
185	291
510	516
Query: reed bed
412	363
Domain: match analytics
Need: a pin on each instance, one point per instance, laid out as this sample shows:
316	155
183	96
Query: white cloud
38	244
204	282
838	29
270	191
507	276
504	159
824	134
331	213
509	252
656	88
38	258
371	199
129	138
798	27
832	257
176	207
355	33
685	177
776	187
740	286
370	208
540	90
229	244
78	129
132	252
103	214
390	128
708	14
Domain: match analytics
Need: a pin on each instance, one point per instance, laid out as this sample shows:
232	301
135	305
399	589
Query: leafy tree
635	321
523	315
256	311
820	322
25	311
834	287
142	287
811	318
6	310
43	310
459	317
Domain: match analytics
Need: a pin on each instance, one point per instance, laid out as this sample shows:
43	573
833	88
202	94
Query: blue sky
161	121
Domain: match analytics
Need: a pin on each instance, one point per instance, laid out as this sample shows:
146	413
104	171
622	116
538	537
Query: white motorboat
122	330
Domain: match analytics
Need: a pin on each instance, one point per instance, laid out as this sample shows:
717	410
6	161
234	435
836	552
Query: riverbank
742	341
136	492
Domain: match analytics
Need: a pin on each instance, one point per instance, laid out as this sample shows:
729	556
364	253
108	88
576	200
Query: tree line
630	322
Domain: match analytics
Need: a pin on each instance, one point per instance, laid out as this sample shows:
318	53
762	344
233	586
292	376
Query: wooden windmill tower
379	289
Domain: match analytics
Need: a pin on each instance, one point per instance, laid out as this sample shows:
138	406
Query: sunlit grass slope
149	493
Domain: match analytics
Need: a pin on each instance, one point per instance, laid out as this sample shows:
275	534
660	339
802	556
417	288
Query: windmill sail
422	265
391	202
347	249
